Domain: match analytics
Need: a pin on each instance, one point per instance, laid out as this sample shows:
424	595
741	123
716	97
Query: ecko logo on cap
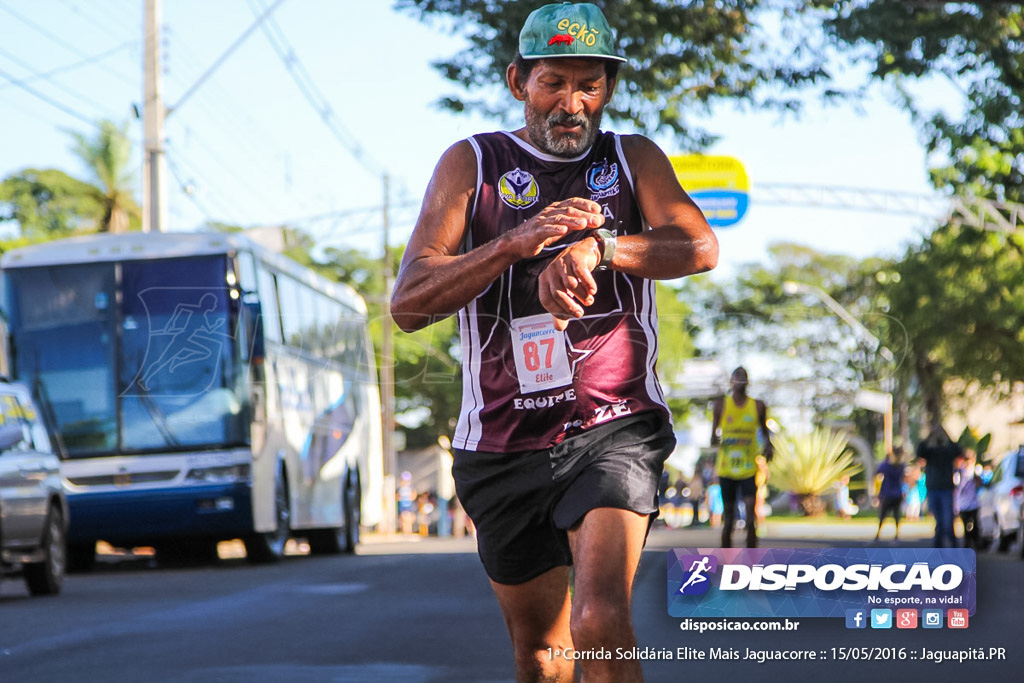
787	582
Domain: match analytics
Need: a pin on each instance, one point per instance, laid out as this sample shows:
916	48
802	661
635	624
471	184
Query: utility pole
154	175
387	378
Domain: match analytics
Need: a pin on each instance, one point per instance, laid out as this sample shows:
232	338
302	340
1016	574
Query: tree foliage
961	301
683	58
978	49
959	298
108	158
819	361
46	204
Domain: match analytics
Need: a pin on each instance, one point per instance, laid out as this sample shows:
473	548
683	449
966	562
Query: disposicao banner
827	582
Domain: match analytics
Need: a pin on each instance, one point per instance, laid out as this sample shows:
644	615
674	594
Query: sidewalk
779	533
375	543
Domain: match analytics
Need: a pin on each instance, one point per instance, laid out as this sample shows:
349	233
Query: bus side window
253	312
269	304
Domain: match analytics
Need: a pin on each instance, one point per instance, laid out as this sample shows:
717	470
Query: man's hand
552	224
567	284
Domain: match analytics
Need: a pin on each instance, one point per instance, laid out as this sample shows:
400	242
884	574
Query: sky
247	146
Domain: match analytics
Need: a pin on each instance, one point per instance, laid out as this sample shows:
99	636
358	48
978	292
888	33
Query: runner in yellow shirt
736	419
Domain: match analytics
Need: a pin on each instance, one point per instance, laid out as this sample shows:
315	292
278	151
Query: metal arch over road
983	214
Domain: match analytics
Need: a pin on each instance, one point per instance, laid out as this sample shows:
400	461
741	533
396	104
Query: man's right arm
435	280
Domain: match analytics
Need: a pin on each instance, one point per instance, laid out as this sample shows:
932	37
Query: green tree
107	156
49	204
977	48
683	57
819	362
960	302
46	204
960	298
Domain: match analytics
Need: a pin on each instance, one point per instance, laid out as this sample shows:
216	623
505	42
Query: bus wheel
46	577
340	539
268	546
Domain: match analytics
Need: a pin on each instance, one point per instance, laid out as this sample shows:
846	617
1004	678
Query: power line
53	103
313	95
60	41
101	25
222	125
47	75
220	60
189	191
22	83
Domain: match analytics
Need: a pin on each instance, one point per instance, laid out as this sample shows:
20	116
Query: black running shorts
524	503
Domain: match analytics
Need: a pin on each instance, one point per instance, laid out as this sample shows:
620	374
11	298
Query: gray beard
542	135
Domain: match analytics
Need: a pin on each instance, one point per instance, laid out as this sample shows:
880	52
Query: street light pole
791	288
883	406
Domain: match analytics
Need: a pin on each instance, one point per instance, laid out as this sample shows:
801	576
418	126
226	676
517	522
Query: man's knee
598	621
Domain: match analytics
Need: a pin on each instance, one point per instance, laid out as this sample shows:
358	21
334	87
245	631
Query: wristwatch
606	243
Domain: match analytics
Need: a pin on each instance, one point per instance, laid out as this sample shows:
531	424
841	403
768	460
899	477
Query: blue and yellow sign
718	184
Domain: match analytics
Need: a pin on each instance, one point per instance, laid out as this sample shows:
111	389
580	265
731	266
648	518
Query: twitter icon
881	618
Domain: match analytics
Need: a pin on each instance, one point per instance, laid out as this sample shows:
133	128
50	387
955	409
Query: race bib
736	460
542	361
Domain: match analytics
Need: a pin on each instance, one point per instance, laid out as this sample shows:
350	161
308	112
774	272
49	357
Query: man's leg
537	616
606	549
936	510
751	504
728	487
950	533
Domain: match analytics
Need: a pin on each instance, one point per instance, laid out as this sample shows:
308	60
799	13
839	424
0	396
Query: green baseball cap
567	29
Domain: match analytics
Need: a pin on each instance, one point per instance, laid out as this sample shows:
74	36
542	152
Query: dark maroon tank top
525	385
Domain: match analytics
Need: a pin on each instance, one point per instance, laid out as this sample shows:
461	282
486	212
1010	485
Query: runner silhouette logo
696	580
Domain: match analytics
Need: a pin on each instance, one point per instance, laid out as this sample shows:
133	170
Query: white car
999	514
33	509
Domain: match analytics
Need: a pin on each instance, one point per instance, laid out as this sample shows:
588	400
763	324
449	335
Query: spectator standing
966	501
890	493
939	453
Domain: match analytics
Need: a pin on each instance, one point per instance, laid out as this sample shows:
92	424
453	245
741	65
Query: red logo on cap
561	39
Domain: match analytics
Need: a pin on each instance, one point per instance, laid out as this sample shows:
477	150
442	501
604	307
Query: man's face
564	102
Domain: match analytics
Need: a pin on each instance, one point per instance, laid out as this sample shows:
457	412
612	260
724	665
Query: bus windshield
140	357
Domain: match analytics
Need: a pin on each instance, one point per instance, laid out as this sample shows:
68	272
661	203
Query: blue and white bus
201	388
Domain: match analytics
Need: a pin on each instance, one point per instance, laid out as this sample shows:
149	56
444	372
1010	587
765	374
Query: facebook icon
856	618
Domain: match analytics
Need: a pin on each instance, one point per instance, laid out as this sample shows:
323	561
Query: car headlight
221	474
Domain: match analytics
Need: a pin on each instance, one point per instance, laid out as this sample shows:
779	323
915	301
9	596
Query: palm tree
108	157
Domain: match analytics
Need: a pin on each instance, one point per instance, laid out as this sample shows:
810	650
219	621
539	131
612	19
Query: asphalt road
422	611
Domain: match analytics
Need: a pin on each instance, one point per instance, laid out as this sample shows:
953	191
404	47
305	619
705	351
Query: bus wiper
159	418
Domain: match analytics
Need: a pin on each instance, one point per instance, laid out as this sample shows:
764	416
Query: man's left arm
679	243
